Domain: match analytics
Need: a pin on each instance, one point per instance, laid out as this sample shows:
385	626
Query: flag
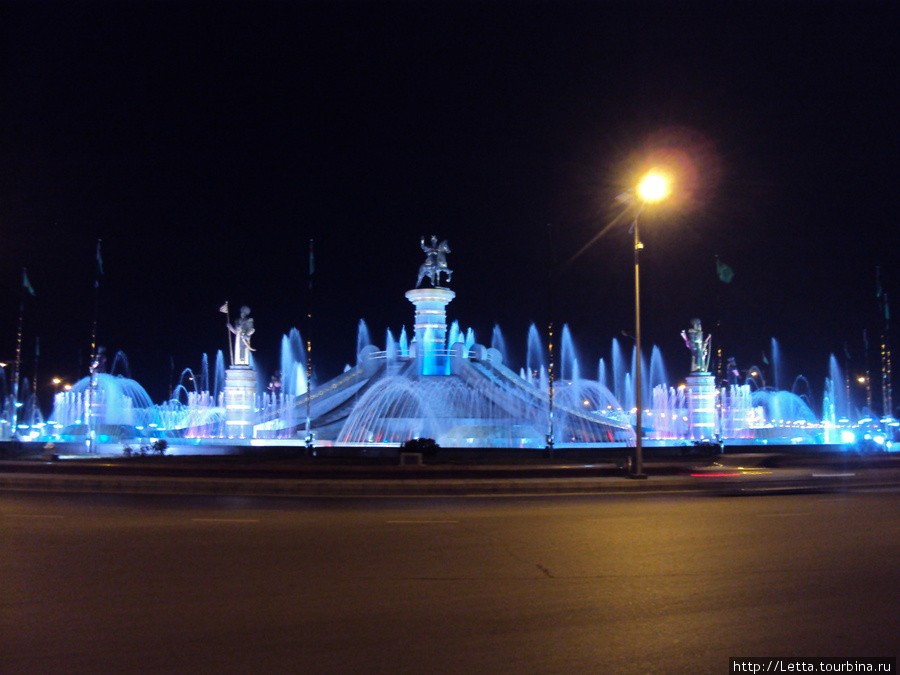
26	283
224	308
99	259
724	272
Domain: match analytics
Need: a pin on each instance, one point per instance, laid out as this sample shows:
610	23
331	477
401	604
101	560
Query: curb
781	481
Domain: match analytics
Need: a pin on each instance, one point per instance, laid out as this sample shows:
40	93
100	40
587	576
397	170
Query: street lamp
757	373
653	187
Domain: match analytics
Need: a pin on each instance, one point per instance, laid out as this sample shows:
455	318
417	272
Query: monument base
701	406
240	401
431	328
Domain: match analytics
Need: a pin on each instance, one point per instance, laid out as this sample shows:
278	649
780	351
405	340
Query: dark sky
206	143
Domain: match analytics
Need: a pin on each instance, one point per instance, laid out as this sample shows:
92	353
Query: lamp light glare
653	187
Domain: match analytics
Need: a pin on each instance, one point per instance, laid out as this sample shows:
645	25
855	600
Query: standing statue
693	339
435	262
242	329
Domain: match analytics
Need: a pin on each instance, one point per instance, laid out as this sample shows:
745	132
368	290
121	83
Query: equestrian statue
435	262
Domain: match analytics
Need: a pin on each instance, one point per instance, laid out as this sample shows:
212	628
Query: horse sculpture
435	262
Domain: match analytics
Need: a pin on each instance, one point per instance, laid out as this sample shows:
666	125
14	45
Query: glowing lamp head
653	187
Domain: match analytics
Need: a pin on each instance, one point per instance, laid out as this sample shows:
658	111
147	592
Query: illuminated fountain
386	399
447	387
479	402
443	384
111	406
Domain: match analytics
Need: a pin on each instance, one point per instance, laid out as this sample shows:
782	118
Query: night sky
207	143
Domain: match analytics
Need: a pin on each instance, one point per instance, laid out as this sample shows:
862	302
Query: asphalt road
589	584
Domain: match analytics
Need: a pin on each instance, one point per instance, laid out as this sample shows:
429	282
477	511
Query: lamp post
653	188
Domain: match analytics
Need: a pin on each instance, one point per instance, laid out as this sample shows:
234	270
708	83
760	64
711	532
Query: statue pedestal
240	401
431	328
701	406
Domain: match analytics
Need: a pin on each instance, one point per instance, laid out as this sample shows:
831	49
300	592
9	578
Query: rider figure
430	251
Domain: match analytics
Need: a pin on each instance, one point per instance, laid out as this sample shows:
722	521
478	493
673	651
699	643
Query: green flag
724	272
26	282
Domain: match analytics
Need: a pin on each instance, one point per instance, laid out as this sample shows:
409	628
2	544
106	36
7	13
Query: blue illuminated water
478	400
499	343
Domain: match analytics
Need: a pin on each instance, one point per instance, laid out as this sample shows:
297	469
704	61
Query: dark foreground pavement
727	474
662	584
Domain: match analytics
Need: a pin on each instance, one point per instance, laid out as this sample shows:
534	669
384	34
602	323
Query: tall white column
431	328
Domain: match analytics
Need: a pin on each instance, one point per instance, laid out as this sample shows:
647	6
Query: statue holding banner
694	340
242	330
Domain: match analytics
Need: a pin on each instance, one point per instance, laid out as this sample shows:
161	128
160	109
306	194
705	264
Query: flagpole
37	353
847	360
886	387
228	328
550	265
868	369
881	296
94	367
309	313
15	408
718	330
96	306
